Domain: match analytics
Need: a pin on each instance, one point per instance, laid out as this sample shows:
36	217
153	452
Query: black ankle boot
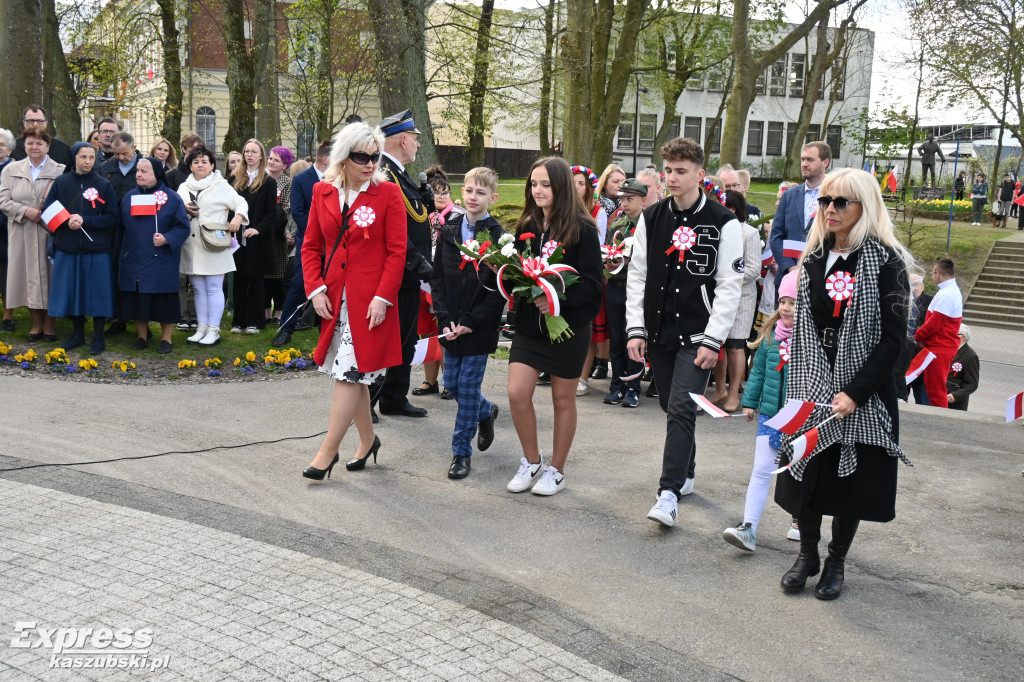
831	582
600	369
808	563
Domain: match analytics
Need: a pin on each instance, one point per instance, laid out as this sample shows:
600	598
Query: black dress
531	345
869	493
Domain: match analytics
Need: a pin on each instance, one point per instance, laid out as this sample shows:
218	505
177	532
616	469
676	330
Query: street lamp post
636	117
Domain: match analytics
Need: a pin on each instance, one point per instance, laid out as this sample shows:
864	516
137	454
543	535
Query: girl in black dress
851	320
553	212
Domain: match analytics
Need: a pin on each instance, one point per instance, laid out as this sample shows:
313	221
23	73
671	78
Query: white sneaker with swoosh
551	481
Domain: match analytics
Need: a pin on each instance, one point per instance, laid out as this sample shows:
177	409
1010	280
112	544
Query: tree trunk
913	127
478	89
544	132
791	170
264	58
21	59
173	95
241	79
59	95
324	114
399	27
709	131
576	53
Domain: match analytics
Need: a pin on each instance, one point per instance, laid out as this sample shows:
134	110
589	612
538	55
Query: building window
673	131
833	136
755	138
796	75
716	135
777	79
839	84
305	136
695	82
761	84
692	128
813	133
625	132
648	130
716	81
206	127
775	129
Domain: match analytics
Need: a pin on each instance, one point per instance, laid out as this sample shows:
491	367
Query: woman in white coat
210	201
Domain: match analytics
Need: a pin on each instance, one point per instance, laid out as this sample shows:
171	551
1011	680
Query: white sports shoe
526	475
687	488
582	388
212	337
200	333
665	510
741	536
551	481
794	530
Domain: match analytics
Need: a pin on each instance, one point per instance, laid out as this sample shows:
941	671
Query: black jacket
122	183
100	215
177	176
583	299
257	256
460	296
963	382
417	222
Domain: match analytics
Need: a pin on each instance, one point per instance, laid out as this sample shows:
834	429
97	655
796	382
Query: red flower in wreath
527	235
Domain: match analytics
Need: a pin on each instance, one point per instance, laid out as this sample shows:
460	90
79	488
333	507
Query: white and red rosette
472	245
683	240
783	355
363	217
840	288
92	196
957	368
613	253
279	194
161	198
548	249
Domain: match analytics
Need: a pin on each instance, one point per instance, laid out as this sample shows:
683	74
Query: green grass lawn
969	248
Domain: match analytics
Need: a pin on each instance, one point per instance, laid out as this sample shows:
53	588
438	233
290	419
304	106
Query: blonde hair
603	180
354	136
854	183
241	176
767	327
483	176
298	166
172	158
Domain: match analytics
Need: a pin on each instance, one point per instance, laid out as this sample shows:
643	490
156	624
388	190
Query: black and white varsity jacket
702	291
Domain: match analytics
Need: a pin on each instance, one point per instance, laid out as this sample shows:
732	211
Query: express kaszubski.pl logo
90	647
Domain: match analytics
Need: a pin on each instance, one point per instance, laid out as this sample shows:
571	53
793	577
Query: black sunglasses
841	203
362	158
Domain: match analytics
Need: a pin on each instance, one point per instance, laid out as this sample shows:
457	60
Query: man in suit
400	145
302	196
797	208
35	115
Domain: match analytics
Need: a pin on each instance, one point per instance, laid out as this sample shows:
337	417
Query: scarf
811	378
197	186
608	204
782	332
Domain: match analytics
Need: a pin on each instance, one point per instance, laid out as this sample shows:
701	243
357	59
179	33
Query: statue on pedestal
928	151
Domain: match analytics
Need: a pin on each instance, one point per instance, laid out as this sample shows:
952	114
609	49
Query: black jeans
615	315
677	377
393	394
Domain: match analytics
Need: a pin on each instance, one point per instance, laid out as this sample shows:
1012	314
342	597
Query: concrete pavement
936	594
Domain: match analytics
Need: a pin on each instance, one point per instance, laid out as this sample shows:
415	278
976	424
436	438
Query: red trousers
935	375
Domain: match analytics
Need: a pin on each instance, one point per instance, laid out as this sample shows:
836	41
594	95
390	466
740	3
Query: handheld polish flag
1015	407
793	415
55	215
712	409
427	350
143	204
792	248
803	447
918	364
767	257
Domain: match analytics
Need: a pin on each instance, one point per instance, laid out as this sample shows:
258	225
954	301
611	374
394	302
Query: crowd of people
671	279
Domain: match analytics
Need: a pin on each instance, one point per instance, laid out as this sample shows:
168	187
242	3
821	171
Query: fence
509	163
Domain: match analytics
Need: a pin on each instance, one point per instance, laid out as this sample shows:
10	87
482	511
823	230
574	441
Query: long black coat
869	493
961	384
257	256
459	295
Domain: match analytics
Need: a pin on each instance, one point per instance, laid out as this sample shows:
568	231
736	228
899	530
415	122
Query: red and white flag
793	415
427	350
917	365
791	248
55	215
143	204
1015	407
767	257
709	407
802	447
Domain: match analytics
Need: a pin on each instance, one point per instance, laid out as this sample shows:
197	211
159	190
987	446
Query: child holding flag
766	392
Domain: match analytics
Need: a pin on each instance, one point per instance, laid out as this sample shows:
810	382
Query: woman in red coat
363	256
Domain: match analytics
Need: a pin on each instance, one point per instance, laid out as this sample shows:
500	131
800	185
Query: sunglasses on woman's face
841	203
362	158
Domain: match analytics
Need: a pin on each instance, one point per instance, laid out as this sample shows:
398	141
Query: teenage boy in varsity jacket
682	291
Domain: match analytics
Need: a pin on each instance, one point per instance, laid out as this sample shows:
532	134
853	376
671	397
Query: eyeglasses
362	158
34	121
840	203
442	194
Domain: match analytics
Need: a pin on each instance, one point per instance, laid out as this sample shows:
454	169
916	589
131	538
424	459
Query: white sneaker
236	330
200	333
794	530
527	474
582	388
212	337
665	510
687	488
550	482
741	536
252	330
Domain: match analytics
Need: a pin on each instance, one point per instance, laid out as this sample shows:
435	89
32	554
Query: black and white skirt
340	361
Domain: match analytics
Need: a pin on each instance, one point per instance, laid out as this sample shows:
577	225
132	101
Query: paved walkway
1002	368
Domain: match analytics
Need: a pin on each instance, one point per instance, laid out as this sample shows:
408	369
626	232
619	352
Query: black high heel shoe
318	474
360	463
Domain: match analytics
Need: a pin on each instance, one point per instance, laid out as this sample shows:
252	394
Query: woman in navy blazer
357	229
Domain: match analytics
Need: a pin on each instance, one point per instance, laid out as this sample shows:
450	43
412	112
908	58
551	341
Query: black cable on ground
162	454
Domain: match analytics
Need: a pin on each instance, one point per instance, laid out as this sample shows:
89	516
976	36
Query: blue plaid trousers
463	376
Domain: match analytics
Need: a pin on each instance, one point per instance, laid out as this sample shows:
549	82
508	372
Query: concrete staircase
997	299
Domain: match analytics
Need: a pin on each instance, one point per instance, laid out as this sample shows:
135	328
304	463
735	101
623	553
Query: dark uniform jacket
963	380
417	220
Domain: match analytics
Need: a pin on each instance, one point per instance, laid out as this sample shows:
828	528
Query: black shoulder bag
309	315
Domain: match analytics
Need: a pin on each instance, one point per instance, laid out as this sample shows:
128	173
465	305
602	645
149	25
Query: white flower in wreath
509	249
627	247
506	238
364	216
